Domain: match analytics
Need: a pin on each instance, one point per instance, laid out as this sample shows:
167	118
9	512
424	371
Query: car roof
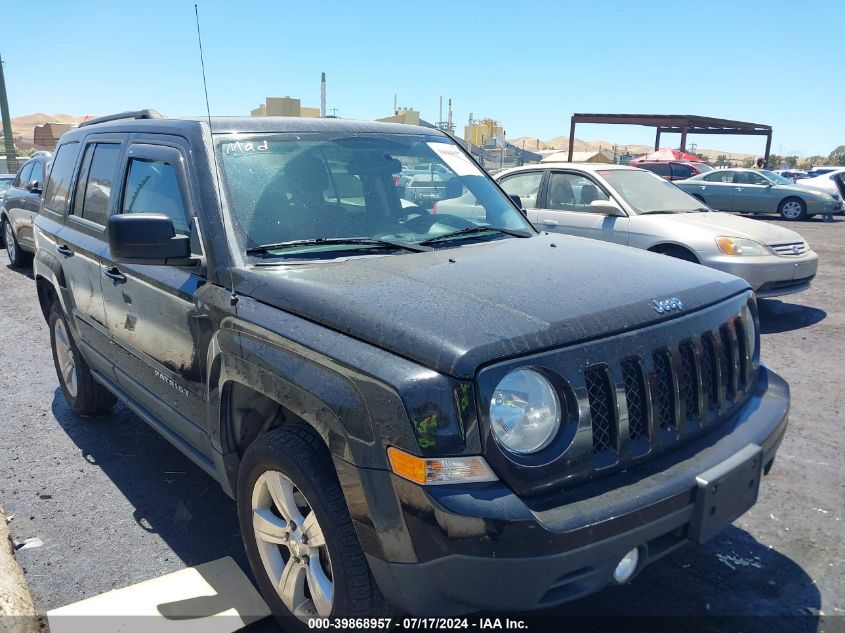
251	125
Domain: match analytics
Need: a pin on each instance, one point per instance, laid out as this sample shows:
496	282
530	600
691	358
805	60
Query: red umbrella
667	153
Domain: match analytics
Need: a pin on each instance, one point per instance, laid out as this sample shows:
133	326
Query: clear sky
527	63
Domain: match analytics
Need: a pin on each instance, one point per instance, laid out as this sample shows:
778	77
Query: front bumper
770	275
482	547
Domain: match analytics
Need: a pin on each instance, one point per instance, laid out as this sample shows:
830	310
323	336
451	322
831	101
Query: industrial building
483	130
284	106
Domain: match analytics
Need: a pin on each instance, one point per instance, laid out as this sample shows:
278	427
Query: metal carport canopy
682	124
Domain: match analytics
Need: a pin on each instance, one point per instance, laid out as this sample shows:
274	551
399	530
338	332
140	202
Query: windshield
648	193
775	178
322	195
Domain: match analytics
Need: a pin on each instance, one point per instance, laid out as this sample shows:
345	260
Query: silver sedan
632	206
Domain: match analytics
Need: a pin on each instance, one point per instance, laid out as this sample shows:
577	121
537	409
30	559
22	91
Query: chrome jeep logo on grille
667	305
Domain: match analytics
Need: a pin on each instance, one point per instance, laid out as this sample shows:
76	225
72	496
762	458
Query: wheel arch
673	249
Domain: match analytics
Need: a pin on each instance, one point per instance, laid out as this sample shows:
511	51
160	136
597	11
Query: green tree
748	162
837	156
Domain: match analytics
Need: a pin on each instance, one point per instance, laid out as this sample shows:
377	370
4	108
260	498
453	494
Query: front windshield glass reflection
309	192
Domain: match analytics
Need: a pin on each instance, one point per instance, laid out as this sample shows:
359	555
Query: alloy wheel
9	239
292	546
64	357
792	210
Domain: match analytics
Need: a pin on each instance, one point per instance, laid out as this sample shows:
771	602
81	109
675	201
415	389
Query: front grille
663	391
688	380
789	249
602	406
672	391
635	398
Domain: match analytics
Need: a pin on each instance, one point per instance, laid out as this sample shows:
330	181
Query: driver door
566	209
753	193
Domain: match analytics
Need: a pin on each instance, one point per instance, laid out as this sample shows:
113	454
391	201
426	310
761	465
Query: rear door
80	243
717	189
151	310
661	169
565	208
527	185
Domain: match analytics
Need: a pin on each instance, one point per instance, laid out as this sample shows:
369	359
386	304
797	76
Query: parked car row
395	394
630	206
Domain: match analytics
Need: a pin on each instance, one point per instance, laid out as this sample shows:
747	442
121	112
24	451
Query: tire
84	395
295	464
793	209
18	258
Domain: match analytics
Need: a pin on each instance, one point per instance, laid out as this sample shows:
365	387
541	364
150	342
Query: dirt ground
115	504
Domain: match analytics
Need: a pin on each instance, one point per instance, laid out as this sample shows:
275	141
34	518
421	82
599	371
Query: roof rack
132	114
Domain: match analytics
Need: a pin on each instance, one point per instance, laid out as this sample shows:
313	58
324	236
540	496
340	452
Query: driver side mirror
518	202
147	238
606	207
33	186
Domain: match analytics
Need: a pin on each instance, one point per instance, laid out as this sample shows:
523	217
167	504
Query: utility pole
11	160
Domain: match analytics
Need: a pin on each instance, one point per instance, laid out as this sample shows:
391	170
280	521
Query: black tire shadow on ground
26	271
780	316
732	583
172	496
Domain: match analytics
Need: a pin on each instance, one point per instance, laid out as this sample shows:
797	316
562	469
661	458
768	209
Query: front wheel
793	209
298	533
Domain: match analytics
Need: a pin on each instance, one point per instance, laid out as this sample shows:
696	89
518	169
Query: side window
752	178
57	191
661	169
525	185
681	171
94	187
37	173
572	192
720	176
152	187
23	175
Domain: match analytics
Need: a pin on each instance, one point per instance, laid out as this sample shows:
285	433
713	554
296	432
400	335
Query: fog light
627	566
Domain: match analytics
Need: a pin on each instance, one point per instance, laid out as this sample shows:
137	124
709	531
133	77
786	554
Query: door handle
549	222
702	187
63	249
114	275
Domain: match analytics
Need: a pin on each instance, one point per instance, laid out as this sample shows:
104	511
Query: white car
832	183
632	206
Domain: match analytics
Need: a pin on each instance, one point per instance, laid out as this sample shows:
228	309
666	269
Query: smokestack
451	127
323	95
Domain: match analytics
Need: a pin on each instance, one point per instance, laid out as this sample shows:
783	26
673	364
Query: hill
23	126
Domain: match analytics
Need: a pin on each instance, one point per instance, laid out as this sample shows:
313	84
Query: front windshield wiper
475	229
328	241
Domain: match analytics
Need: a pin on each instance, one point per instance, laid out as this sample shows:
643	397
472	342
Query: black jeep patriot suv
407	406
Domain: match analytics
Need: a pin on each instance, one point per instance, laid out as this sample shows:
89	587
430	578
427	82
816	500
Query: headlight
739	246
524	412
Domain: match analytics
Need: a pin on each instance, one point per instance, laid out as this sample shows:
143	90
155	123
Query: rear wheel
793	209
84	395
298	533
18	258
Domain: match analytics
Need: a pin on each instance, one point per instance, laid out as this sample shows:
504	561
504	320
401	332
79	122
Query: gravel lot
115	504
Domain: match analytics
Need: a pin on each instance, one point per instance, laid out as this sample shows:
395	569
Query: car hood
717	224
454	309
